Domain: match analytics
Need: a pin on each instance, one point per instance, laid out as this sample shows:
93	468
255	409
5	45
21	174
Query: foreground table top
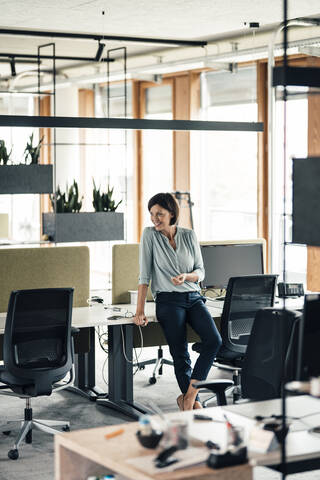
88	452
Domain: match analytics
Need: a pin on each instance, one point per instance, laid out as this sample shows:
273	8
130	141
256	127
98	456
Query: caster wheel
152	380
13	454
7	432
142	368
66	428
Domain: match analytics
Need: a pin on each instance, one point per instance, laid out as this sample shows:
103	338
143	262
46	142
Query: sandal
180	401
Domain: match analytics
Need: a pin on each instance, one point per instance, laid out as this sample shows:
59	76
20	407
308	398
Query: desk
120	371
86	452
120	332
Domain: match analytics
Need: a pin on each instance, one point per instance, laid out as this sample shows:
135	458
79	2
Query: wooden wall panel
138	106
313	262
45	152
262	173
85	109
181	140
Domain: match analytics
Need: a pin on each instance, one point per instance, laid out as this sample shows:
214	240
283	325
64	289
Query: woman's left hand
179	279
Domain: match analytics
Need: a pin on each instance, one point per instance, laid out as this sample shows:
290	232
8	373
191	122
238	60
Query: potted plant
29	177
103	202
4	155
67	202
68	224
32	152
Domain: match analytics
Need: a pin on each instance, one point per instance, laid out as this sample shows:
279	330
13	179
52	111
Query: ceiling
171	19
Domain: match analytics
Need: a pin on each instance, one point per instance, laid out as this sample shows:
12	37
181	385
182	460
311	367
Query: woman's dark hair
166	201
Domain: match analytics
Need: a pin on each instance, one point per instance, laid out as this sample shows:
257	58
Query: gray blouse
159	261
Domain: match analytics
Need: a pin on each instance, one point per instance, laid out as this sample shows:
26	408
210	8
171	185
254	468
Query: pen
114	433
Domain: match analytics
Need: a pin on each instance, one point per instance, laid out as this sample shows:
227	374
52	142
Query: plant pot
83	226
26	179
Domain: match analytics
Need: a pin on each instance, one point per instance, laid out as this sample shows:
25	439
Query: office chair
245	295
270	359
37	353
159	361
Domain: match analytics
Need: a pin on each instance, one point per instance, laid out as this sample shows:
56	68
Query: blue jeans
174	310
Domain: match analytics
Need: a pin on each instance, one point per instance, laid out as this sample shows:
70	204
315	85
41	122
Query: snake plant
4	155
103	202
69	201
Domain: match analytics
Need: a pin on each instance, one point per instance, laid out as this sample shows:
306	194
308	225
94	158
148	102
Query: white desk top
97	315
124	454
300	445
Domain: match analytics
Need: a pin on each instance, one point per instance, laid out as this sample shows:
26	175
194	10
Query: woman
170	257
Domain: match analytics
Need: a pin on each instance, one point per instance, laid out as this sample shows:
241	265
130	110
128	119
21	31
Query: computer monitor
230	260
309	339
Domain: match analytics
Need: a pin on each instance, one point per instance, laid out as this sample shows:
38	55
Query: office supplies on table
198	416
113	434
148	436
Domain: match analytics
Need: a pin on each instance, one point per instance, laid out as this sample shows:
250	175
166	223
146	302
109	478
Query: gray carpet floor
36	461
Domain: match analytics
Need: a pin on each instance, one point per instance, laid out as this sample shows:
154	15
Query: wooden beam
45	152
138	106
313	255
186	106
86	109
262	171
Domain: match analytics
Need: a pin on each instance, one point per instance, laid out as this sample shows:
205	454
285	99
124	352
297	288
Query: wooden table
87	452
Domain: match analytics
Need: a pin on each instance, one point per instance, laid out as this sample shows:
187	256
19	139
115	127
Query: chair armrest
218	387
224	366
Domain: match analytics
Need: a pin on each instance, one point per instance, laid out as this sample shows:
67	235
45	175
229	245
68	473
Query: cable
123	345
103	338
214	291
103	371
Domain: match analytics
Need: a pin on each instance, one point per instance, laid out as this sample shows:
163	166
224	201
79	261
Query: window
22	210
157	146
297	146
224	166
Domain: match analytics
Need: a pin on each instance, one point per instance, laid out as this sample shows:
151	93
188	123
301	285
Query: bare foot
180	402
197	405
188	403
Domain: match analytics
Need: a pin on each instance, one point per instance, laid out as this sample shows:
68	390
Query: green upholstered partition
41	267
125	272
125	275
46	267
125	267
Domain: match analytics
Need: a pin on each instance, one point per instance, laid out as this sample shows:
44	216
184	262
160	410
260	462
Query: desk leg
85	375
120	396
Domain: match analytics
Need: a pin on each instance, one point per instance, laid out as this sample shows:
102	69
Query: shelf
26	179
83	226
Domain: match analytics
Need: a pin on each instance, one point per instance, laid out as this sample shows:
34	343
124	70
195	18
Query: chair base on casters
26	426
159	362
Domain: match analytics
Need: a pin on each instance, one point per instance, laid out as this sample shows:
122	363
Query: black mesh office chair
270	359
245	295
37	353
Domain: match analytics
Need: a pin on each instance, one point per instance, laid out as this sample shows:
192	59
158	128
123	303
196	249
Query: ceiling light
13	67
99	51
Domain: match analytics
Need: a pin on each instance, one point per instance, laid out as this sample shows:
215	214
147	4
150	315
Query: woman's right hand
140	319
